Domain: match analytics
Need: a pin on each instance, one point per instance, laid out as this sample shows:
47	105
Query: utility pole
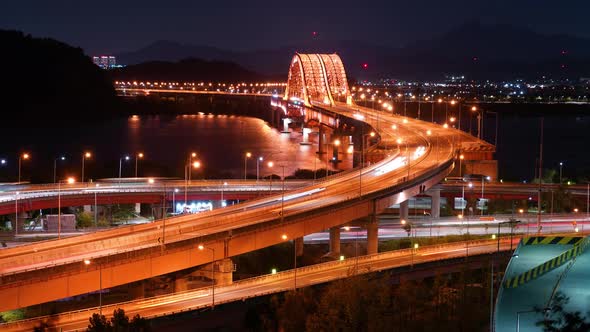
540	179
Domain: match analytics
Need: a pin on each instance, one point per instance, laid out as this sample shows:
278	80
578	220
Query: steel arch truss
318	78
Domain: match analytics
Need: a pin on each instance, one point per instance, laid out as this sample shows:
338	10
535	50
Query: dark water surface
221	142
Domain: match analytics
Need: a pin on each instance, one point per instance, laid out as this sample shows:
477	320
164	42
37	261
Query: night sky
106	26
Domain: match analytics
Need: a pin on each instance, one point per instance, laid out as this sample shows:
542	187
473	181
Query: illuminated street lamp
69	180
62	158
85	156
24	156
560	172
87	262
174	200
258	161
120	165
202	247
246	156
188	174
270	164
461	157
479	121
137	157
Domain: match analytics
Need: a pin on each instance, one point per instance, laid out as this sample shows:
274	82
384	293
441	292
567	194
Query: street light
246	156
461	157
137	157
479	121
120	166
88	262
174	200
24	156
258	160
85	156
69	180
270	164
187	176
55	167
560	172
222	187
202	247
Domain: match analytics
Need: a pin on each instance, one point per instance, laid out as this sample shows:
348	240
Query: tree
118	323
556	319
99	323
84	219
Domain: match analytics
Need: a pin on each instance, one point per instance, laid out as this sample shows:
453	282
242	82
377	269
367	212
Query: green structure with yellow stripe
579	245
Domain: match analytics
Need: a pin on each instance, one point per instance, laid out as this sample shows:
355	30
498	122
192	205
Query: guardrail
283	275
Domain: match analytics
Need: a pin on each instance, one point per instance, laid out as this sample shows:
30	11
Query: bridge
416	156
437	257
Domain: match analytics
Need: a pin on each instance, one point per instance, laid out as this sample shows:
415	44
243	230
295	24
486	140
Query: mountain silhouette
474	49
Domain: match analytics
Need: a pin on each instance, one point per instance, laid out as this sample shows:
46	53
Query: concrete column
305	140
435	204
138	208
286	122
87	208
404	209
321	140
335	240
372	235
299	246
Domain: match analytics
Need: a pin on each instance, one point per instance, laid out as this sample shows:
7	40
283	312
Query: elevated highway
418	155
272	283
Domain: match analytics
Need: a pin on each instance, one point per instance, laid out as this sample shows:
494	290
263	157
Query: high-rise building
105	61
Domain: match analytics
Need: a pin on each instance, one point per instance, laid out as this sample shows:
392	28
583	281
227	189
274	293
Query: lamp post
270	164
356	256
16	213
202	247
55	167
479	121
85	155
363	138
137	157
560	172
174	200
88	262
69	180
461	157
246	156
187	177
222	187
24	156
258	160
120	166
96	208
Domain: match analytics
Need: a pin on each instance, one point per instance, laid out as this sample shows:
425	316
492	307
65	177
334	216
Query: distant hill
44	79
474	49
187	70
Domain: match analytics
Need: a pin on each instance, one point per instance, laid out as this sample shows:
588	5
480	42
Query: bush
84	219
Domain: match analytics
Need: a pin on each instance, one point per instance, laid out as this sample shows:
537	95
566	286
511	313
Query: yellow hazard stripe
563	240
549	265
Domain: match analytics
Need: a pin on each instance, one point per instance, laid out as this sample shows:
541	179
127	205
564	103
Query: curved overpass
51	270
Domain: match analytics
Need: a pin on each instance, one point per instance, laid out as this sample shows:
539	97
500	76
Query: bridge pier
286	122
372	235
335	240
305	140
404	208
299	246
435	203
